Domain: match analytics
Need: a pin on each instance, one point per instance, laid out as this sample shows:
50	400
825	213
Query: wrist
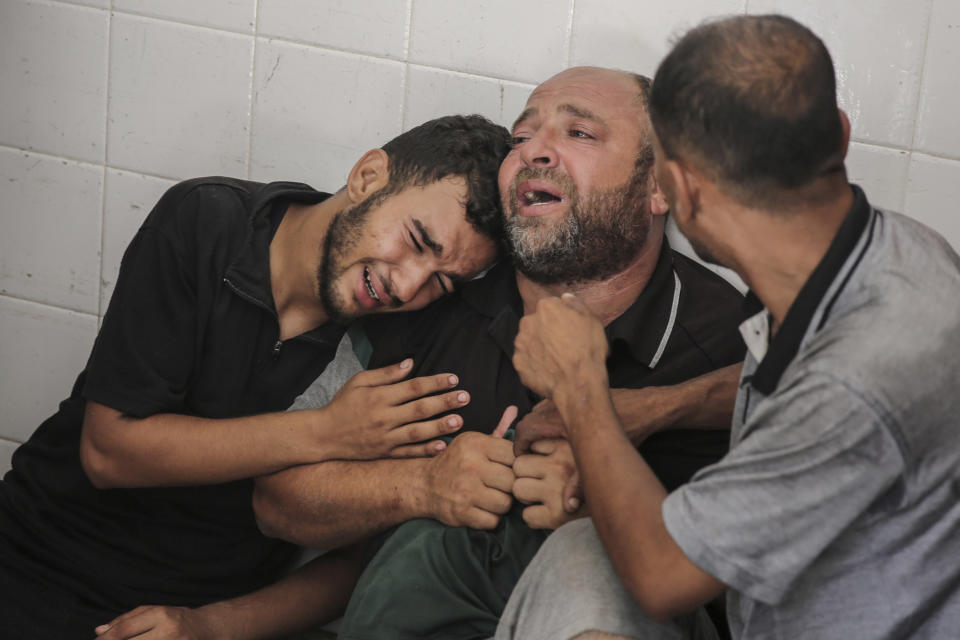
581	402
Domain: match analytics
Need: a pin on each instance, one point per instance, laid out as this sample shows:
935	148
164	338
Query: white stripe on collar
673	317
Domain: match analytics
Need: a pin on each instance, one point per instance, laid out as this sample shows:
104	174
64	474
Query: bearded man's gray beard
597	239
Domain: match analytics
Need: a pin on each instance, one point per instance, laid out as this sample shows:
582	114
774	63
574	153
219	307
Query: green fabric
432	581
361	345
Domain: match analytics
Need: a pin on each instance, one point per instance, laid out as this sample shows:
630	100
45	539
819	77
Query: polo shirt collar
644	328
784	346
249	273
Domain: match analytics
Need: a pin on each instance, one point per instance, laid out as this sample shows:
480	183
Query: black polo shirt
191	329
683	324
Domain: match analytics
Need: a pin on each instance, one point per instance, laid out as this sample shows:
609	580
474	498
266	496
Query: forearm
704	402
334	503
170	449
316	593
626	500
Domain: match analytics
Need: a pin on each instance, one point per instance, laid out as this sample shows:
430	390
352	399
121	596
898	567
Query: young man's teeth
366	281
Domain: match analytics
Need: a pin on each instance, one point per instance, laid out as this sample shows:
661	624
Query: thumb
572	494
574	302
509	415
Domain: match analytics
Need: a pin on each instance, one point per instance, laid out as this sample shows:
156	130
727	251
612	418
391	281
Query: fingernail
452	379
102	628
462	396
574	504
406	364
452	422
440	446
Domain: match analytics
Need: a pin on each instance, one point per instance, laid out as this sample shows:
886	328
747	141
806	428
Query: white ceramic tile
877	50
679	242
53	74
129	198
524	41
7	447
933	190
42	349
234	15
937	129
881	172
432	93
630	36
316	112
50	216
378	27
179	99
99	4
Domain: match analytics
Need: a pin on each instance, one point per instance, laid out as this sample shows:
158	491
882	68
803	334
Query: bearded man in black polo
584	214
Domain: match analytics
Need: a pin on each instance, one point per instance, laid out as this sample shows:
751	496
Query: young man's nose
408	280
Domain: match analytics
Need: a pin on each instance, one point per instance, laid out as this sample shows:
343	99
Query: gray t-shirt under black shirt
836	513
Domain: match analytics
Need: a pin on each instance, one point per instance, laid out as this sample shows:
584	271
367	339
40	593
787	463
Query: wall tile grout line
405	70
253	88
568	54
49	305
101	303
905	187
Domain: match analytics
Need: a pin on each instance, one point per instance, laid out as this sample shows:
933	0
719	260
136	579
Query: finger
130	627
420	432
419	450
493	501
530	465
509	415
500	450
406	390
430	406
537	516
477	518
498	476
103	628
529	490
531	429
546	446
572	494
574	302
384	375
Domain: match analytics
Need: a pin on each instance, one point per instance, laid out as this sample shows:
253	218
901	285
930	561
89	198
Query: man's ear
658	201
686	185
371	173
845	126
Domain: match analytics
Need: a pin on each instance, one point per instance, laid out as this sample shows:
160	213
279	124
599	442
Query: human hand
469	484
381	415
160	623
543	422
560	346
548	481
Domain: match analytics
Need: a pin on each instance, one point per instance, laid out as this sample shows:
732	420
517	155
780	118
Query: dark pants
432	581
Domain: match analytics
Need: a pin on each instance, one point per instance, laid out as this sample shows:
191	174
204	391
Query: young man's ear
371	173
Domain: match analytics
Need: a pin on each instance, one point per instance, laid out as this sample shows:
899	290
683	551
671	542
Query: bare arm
704	402
316	593
384	417
330	504
560	353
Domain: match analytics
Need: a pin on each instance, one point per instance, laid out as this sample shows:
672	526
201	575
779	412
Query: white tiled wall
104	103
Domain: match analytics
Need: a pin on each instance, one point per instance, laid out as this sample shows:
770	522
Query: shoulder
201	203
710	311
